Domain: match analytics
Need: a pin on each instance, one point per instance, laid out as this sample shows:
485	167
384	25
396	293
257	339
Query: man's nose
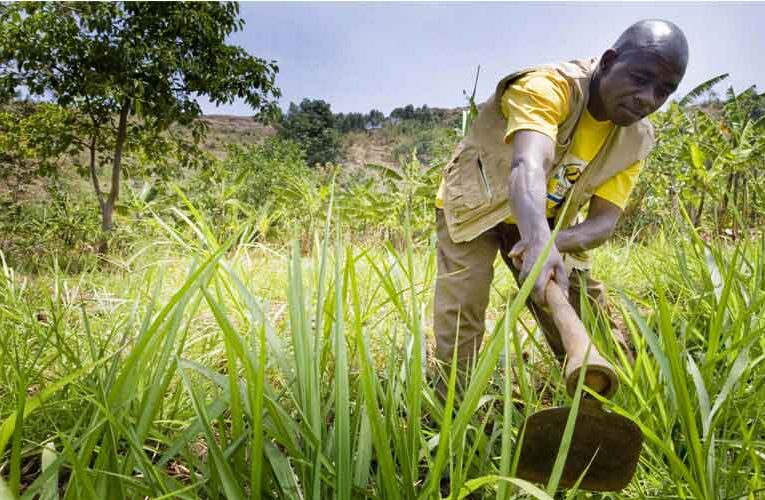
646	100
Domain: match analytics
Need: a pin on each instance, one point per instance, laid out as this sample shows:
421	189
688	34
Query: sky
359	56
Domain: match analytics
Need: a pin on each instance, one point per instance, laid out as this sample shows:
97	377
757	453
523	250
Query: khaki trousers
463	285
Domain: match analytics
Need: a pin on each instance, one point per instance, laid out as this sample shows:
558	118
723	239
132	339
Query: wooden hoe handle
601	376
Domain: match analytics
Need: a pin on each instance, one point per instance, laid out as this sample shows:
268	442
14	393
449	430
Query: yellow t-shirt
540	101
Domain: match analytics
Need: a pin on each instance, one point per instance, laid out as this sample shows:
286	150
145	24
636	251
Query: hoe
605	447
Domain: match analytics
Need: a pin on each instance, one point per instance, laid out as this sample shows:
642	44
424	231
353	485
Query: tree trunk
107	207
102	244
93	172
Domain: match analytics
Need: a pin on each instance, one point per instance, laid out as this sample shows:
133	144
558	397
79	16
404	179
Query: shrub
312	126
247	182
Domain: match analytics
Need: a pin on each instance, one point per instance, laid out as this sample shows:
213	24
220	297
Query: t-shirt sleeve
618	188
537	101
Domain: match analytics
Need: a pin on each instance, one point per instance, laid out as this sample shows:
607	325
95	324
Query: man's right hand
525	253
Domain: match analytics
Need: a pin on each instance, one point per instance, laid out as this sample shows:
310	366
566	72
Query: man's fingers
524	257
518	249
516	254
517	261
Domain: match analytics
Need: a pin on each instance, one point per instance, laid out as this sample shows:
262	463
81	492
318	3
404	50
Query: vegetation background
210	306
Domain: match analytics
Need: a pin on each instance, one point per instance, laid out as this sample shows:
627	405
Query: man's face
635	84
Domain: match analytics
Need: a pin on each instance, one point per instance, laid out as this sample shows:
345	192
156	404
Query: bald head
659	37
637	75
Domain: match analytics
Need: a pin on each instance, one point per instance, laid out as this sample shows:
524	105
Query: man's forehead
659	64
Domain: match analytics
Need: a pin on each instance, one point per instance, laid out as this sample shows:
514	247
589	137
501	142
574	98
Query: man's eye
640	80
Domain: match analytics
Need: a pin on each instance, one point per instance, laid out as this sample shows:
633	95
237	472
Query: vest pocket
466	186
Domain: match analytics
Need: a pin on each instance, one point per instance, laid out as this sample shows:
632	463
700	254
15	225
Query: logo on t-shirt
563	180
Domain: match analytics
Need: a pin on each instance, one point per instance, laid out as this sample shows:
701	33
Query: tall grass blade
508	408
227	477
368	389
257	392
479	482
685	409
38	400
414	376
568	431
363	456
344	474
285	475
445	444
701	393
278	350
739	367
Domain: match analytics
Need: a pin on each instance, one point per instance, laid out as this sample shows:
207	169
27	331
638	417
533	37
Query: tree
33	139
376	118
347	122
405	113
312	125
131	69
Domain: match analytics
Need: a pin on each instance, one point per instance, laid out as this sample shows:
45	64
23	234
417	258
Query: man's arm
594	231
533	154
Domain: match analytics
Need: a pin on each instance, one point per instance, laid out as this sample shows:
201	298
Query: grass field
200	368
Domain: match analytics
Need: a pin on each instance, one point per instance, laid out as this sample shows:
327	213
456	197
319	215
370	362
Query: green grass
202	368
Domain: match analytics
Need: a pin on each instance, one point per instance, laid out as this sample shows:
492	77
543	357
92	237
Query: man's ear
607	60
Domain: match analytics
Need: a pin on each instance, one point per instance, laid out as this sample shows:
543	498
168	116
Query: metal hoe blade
604	444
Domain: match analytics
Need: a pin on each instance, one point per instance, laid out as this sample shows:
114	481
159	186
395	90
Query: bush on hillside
312	125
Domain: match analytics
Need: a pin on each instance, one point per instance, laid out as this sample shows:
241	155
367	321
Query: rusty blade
607	443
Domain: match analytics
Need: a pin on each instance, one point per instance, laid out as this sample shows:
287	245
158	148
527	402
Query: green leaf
48	460
5	492
698	158
701	89
479	482
737	370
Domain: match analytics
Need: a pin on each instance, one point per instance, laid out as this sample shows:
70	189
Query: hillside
373	146
380	146
228	129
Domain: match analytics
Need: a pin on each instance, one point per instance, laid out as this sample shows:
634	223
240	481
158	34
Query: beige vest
475	179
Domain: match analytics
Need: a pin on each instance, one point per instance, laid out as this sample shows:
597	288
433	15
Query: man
572	133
